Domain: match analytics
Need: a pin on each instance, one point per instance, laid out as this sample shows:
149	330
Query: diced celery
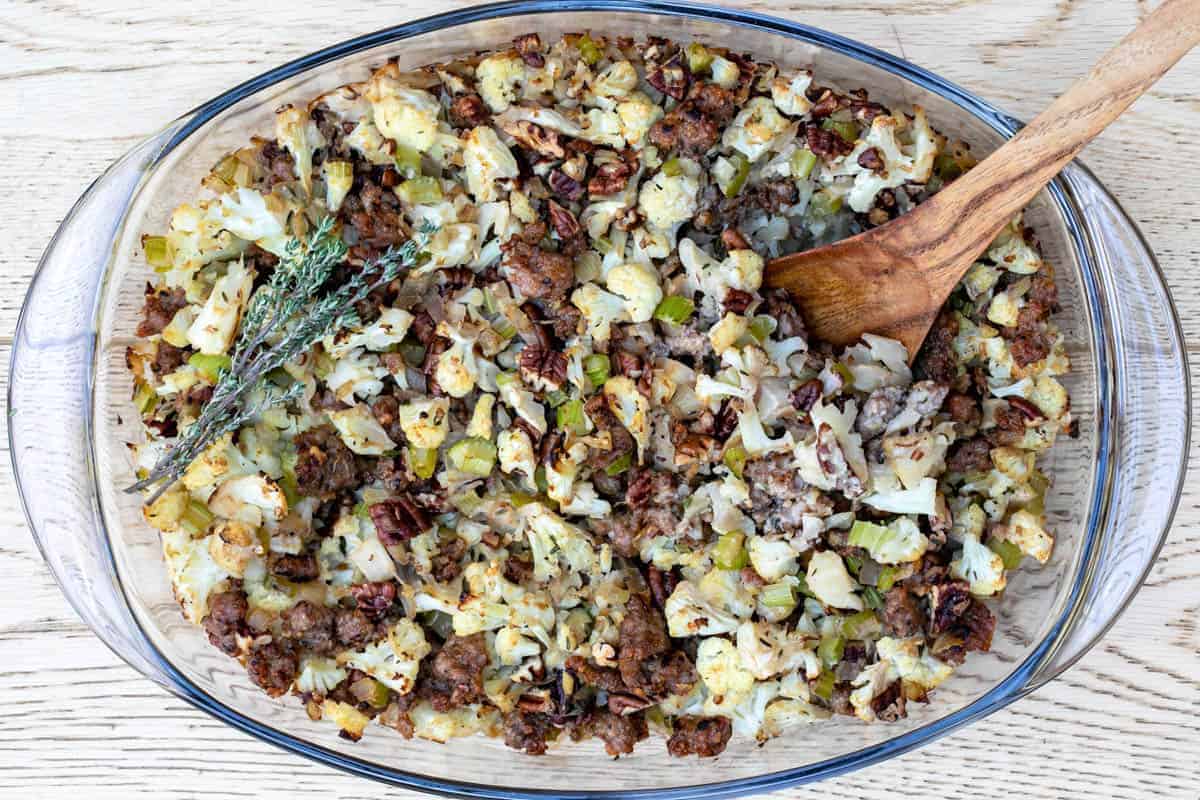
946	167
872	598
675	310
619	465
741	171
735	459
778	595
822	687
505	378
886	580
824	204
489	301
209	366
145	398
853	563
421	190
408	161
596	368
863	625
1009	553
846	375
557	397
280	377
730	552
570	416
473	455
589	51
803	161
847	129
539	478
158	253
196	518
603	244
423	461
466	502
830	650
699	58
762	326
520	499
371	692
339	170
504	329
672	168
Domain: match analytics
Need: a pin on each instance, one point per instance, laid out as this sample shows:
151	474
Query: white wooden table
80	82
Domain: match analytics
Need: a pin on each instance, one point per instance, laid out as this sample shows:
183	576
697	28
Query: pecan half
534	137
529	47
399	519
468	111
565	186
826	144
610	177
564	222
670	78
736	301
374	599
543	365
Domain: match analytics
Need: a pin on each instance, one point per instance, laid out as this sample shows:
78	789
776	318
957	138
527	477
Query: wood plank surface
82	82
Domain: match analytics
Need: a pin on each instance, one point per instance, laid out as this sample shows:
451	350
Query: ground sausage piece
310	625
964	408
226	618
159	309
537	273
456	672
602	417
888	705
651	487
324	464
468	111
167	358
619	732
947	603
645	660
273	667
973	455
902	614
779	306
447	562
299	568
700	736
386	410
353	628
526	732
937	360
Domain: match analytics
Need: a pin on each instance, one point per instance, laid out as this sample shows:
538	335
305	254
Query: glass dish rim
1016	685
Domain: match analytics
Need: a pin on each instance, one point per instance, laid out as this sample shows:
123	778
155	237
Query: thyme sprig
284	319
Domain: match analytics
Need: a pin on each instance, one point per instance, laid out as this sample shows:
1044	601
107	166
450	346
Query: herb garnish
287	312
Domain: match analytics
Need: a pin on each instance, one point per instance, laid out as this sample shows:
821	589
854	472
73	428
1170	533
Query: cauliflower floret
319	675
600	308
245	213
1027	532
899	542
915	456
361	432
486	160
1050	397
551	538
166	511
457	368
667	200
297	133
979	566
233	545
195	575
637	114
602	127
442	726
754	435
617	80
755	128
720	667
638	284
912	162
338	182
1003	310
831	583
791	96
869	684
407	116
515	451
480	425
786	713
356	373
512	647
249	499
690	612
373	560
768	649
916	668
631	408
453	245
366	140
1010	250
724	72
585	502
921	499
195	237
497	78
771	559
394	661
726	333
425	422
389	329
743	269
202	475
213	331
523	402
348	718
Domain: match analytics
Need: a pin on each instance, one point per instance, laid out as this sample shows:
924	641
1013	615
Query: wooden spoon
892	280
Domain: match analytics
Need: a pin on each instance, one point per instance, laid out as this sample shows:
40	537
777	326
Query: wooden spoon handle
983	200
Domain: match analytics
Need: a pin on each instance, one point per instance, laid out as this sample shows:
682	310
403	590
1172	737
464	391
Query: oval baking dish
1116	486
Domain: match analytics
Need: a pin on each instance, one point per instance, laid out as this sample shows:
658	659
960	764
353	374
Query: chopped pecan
529	47
374	599
468	111
670	77
534	137
733	240
806	395
662	583
736	301
826	144
544	365
564	222
565	186
870	159
399	519
695	447
610	177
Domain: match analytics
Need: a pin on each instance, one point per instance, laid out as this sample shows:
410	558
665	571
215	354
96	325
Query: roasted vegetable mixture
575	472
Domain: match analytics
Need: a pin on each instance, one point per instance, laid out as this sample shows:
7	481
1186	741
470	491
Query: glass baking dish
1116	486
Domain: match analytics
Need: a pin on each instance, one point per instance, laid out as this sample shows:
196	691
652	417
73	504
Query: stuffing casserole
576	473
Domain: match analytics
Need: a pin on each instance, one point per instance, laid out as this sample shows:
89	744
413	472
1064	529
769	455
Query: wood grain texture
894	279
81	82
